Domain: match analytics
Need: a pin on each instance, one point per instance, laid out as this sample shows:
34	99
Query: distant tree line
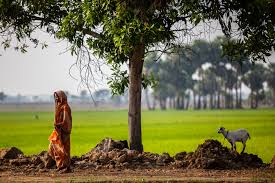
2	96
202	73
198	76
99	97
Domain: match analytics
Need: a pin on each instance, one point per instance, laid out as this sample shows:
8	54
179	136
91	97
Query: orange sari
59	148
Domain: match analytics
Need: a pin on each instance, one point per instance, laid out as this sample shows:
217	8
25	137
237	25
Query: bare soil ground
143	175
112	161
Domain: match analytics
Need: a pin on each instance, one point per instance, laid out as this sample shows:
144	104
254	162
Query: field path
151	175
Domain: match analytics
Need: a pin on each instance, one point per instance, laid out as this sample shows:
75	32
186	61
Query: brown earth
142	175
112	161
272	164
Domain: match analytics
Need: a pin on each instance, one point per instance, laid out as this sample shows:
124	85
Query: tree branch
91	33
84	30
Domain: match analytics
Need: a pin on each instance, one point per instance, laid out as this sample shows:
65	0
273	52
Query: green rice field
163	131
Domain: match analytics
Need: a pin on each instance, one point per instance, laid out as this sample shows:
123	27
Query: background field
163	131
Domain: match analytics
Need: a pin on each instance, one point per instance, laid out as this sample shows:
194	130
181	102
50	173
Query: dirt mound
209	155
124	158
27	164
272	165
212	155
10	153
109	154
108	144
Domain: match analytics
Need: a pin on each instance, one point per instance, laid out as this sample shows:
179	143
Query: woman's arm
65	124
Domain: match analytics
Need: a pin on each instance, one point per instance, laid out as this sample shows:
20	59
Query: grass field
163	131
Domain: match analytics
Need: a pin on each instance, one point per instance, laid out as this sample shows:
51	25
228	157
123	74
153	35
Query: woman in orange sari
59	148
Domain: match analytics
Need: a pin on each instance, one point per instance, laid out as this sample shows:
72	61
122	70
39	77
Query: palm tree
242	66
254	79
271	80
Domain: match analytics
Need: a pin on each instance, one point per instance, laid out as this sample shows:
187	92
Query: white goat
240	135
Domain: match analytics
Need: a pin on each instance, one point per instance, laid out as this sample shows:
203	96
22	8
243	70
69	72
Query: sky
41	72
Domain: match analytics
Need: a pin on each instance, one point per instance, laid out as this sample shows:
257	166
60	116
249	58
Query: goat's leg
231	146
244	145
235	147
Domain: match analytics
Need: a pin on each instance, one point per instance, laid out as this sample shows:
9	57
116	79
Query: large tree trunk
134	113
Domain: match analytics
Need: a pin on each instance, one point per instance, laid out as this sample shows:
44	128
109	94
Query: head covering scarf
59	148
61	106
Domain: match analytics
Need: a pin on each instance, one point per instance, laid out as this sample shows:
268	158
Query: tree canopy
123	31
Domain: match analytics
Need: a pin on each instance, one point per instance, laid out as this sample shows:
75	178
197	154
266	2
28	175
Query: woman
59	148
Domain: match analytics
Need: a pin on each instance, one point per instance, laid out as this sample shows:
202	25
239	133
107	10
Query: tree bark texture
135	88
